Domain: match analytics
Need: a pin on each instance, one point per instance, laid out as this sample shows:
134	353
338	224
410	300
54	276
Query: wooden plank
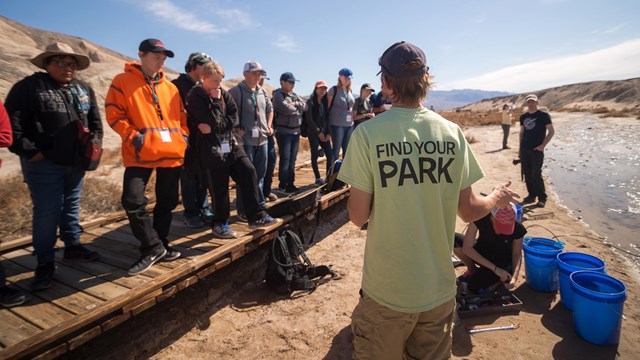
135	303
106	272
64	296
167	293
144	306
53	353
115	321
15	329
84	337
41	313
76	279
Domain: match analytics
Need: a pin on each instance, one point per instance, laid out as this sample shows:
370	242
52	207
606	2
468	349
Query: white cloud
613	63
237	17
181	17
609	31
286	43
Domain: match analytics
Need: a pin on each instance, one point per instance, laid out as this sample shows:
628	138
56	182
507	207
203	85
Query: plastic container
540	263
518	212
504	220
569	262
598	301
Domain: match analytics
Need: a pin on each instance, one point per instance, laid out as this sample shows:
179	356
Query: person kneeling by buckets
496	255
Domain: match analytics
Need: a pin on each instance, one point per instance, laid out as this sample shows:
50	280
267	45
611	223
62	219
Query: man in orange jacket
146	110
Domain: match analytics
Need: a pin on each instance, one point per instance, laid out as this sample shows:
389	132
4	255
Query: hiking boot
272	197
79	253
528	200
10	297
319	181
264	221
223	231
43	276
172	254
207	216
193	222
281	191
146	261
541	203
242	217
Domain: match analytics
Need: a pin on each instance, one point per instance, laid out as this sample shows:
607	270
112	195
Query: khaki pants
382	333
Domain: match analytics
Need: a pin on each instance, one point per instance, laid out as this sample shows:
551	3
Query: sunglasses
63	64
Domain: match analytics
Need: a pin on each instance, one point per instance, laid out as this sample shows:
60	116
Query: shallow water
594	165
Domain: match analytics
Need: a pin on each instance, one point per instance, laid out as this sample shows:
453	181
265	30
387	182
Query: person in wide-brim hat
60	49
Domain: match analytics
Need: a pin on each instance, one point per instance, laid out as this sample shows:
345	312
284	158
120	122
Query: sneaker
528	200
206	216
264	221
43	276
146	261
242	217
193	222
281	191
272	197
319	181
292	189
541	203
172	254
10	297
79	253
320	152
223	231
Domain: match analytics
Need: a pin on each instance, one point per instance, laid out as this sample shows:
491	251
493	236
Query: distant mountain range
451	99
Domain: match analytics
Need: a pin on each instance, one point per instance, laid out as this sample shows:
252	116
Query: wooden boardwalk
87	299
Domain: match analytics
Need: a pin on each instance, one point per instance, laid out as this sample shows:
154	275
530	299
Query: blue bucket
540	263
569	262
598	300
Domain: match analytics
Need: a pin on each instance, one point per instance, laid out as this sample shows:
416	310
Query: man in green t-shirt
419	168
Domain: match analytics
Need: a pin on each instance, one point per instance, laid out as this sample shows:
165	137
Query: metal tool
476	329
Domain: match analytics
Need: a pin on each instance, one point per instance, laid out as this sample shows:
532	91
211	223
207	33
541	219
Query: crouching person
221	153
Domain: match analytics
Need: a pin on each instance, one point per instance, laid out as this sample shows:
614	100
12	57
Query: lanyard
346	98
254	99
152	86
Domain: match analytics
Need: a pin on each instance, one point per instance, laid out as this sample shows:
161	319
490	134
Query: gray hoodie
246	99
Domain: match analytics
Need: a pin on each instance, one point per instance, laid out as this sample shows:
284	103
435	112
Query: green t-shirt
414	163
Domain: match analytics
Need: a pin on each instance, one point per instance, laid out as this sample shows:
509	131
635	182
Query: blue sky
516	46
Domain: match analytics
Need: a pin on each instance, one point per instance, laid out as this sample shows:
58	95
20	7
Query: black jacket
317	121
222	115
42	117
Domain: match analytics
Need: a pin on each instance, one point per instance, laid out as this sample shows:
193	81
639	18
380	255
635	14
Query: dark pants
314	142
271	166
152	234
2	277
288	149
483	278
194	194
532	168
244	174
505	135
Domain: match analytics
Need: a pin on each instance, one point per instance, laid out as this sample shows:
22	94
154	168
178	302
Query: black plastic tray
488	304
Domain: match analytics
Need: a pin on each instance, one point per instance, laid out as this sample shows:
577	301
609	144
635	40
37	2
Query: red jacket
6	137
132	109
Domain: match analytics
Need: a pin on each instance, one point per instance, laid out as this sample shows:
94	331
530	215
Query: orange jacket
132	110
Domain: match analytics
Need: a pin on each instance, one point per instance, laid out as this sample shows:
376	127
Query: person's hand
504	196
539	148
215	93
138	141
321	137
37	157
511	284
327	137
238	131
370	115
269	131
502	274
204	128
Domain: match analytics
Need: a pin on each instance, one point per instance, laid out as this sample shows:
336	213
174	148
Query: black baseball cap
402	60
154	45
287	77
367	86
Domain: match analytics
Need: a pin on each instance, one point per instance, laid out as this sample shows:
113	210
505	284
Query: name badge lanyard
346	100
164	132
255	131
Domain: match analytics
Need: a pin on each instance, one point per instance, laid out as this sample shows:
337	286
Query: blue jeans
288	149
271	166
314	143
194	195
258	156
55	192
340	136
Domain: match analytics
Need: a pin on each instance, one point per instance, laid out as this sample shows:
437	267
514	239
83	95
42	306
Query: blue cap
287	77
345	72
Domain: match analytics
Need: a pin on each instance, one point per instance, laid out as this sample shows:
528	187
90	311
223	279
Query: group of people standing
407	295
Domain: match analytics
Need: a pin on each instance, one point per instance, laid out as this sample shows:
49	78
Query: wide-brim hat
61	49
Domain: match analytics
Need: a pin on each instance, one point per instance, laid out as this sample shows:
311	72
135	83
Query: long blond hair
348	85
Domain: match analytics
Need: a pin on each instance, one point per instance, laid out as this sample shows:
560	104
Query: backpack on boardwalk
289	269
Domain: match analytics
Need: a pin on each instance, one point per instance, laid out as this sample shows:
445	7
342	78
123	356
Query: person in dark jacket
194	193
220	152
44	108
288	107
318	128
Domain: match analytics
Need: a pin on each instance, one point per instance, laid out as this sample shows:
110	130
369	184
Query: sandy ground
251	322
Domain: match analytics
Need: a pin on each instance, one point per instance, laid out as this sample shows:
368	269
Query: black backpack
289	269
